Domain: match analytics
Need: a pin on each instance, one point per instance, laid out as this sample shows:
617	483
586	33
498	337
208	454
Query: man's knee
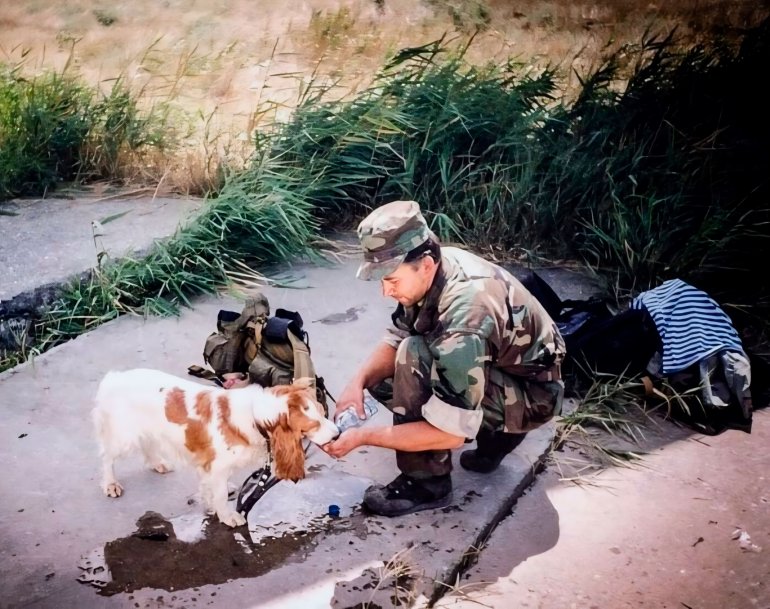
412	378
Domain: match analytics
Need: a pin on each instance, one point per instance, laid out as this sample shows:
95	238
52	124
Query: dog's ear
286	444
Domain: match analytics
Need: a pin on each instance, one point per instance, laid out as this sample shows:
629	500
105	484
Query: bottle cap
334	511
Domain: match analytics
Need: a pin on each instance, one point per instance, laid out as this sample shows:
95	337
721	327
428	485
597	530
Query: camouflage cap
387	235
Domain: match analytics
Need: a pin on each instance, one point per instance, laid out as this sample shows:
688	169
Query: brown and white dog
168	418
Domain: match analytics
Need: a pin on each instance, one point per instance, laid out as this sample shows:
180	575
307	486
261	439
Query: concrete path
55	512
57	524
688	526
45	241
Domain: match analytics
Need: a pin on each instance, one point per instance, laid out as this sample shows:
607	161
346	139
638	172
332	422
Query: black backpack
598	340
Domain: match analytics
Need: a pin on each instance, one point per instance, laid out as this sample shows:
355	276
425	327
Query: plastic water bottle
349	417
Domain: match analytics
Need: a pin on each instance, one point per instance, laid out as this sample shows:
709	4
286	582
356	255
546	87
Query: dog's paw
162	468
113	489
232	519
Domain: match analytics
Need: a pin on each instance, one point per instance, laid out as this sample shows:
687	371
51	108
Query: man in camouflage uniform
471	354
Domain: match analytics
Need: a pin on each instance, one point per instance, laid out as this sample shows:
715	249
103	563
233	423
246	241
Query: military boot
406	495
491	448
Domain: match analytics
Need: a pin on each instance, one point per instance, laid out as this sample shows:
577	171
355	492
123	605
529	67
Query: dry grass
217	62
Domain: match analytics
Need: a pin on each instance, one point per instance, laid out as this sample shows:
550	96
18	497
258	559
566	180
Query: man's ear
428	264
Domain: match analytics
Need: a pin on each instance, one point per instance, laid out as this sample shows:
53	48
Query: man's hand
380	365
234	380
348	440
352	395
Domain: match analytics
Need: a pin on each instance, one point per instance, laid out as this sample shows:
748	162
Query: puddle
155	556
195	550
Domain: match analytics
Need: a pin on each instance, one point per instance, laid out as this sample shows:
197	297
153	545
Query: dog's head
304	418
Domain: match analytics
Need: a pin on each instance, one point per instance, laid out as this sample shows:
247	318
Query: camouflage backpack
271	350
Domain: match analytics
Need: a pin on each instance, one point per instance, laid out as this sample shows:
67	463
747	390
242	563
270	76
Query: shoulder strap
254	338
303	365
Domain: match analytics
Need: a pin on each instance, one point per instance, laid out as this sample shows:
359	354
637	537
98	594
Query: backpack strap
202	373
251	322
303	365
253	338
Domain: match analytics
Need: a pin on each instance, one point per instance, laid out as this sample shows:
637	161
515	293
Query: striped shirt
690	323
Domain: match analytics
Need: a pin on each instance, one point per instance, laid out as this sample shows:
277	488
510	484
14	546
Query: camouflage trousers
511	404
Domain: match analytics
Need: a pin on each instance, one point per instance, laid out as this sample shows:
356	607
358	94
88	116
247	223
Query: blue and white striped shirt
690	323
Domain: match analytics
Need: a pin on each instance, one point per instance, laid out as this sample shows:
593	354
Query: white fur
130	416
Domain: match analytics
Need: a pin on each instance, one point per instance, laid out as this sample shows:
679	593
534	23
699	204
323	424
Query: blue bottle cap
334	511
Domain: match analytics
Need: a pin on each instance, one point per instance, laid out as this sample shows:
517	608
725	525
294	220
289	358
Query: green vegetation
238	231
454	137
608	425
54	128
657	169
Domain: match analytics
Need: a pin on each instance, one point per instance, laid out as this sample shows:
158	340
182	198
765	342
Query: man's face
409	283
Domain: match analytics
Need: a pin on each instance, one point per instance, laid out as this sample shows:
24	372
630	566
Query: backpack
271	350
597	340
234	345
620	345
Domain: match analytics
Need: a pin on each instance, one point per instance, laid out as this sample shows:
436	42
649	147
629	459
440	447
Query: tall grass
657	169
54	129
613	406
666	175
453	136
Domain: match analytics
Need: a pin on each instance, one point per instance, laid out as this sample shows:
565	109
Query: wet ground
154	556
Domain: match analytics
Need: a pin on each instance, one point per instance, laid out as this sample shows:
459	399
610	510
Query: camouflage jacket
476	314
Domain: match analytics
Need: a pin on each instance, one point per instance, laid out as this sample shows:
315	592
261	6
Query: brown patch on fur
196	437
280	389
287	434
198	441
297	415
203	406
296	394
232	435
176	409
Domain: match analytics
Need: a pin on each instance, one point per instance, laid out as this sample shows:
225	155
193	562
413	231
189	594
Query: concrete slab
45	241
54	513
